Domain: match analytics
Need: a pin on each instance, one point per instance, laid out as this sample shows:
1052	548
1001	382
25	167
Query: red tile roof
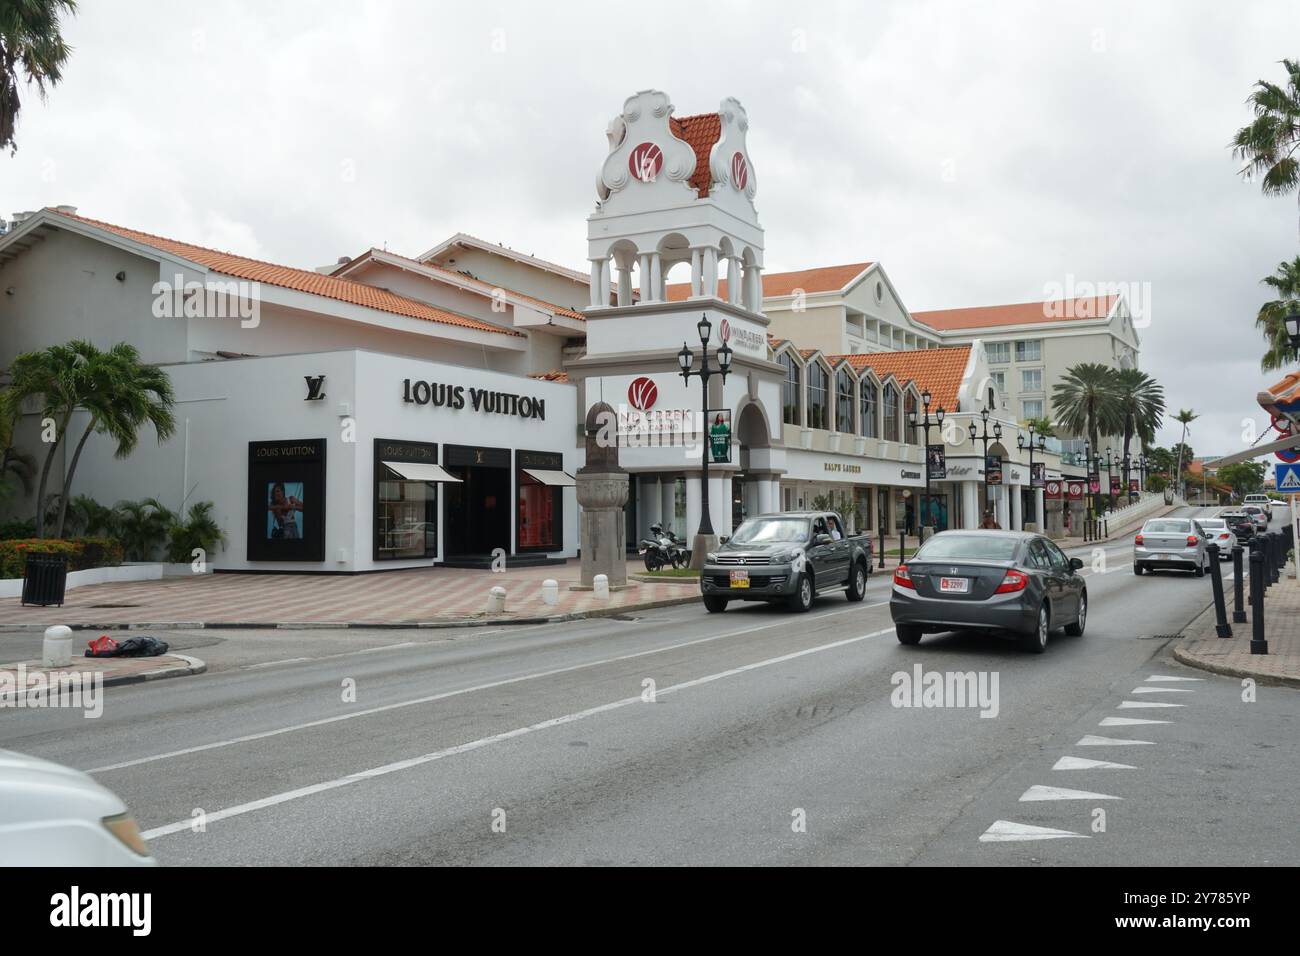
473	280
555	375
1024	313
775	284
300	280
939	370
700	132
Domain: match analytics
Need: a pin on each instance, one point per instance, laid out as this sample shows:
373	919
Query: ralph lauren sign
480	399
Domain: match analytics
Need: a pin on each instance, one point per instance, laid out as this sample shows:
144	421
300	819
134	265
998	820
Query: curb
1184	656
361	625
191	666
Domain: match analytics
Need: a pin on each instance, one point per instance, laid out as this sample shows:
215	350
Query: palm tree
1086	402
1271	316
14	461
31	43
143	526
122	395
1186	416
1141	401
1269	143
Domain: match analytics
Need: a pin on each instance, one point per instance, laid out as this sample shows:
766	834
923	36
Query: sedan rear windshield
968	547
1166	527
1213	522
771	531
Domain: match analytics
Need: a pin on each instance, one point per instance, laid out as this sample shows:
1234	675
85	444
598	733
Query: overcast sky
982	152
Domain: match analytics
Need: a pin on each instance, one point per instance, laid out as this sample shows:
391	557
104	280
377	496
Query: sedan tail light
1191	540
1138	541
902	578
1013	581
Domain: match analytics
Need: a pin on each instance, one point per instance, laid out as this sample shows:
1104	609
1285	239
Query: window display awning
559	479
420	471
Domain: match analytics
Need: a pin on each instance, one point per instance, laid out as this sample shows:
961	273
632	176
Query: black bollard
1258	643
1238	587
902	546
1266	545
882	544
1278	559
1221	625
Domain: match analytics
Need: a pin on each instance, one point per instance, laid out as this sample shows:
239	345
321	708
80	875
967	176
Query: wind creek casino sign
483	400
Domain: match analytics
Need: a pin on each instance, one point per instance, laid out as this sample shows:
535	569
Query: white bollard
496	602
600	586
57	649
551	591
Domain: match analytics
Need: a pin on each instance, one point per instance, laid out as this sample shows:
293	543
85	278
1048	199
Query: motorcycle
664	548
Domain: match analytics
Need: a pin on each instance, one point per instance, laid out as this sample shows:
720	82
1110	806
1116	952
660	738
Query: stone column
764	504
735	280
970	505
647	288
650	513
656	277
693	506
597	272
1017	519
1040	511
697	271
668	505
625	286
602	494
710	272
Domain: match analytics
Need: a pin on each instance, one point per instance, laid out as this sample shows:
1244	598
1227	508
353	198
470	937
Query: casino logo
642	394
645	162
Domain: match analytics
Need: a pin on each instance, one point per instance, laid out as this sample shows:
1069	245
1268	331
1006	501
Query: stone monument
602	493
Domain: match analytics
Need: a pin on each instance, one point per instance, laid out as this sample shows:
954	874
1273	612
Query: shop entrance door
478	508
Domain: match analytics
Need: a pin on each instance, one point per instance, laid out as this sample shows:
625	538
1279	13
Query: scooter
663	549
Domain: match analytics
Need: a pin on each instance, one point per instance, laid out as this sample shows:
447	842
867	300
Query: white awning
420	471
559	479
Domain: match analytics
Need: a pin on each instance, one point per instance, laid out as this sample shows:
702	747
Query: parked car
51	815
1259	515
790	557
989	580
1242	524
1260	501
1171	544
1218	532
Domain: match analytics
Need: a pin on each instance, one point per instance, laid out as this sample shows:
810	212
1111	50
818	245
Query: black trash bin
46	578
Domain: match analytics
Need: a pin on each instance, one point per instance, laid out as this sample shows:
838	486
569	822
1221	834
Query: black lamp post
976	435
1292	323
1110	485
686	359
1087	476
926	423
1041	445
1142	464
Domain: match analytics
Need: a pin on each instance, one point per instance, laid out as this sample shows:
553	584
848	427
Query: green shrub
82	553
10	530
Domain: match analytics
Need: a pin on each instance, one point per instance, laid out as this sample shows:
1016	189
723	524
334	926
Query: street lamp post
686	359
1087	477
1041	446
1110	485
1142	470
976	435
926	423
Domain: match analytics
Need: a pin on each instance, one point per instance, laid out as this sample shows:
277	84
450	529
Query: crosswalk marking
1162	690
1040	792
1091	740
1127	721
1167	678
1007	831
1083	763
1139	704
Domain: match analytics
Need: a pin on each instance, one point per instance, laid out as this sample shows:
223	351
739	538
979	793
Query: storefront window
818	397
870	409
790	405
891	413
406	500
844	401
540	481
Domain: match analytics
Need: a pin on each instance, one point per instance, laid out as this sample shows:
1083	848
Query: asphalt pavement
674	736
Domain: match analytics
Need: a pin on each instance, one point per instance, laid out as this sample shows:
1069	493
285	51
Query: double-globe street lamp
975	435
686	359
926	424
1110	484
1040	445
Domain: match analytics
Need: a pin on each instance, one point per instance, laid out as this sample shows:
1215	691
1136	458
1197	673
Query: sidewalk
113	670
1202	647
1115	534
423	597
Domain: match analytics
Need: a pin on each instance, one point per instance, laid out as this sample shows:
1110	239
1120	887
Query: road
771	738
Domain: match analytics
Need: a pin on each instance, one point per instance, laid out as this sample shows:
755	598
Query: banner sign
720	435
1076	490
1053	490
936	462
993	469
1037	474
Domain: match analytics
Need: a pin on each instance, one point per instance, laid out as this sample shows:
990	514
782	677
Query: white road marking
1092	740
431	698
1036	792
1005	831
1162	690
1082	763
1140	704
1127	721
384	770
1155	678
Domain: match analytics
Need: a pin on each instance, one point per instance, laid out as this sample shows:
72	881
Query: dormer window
844	402
819	399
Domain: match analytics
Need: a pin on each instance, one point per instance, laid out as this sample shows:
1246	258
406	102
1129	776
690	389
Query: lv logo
315	386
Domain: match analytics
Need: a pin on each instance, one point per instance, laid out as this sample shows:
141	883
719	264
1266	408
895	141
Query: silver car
1217	530
1173	544
1258	515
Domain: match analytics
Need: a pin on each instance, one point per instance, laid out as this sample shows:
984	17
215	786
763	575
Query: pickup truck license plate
740	579
954	585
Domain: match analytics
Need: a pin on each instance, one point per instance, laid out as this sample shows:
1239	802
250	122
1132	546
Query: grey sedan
1175	544
992	581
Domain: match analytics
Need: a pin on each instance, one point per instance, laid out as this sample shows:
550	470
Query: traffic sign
1287	478
1287	455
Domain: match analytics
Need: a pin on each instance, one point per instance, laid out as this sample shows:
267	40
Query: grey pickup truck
790	557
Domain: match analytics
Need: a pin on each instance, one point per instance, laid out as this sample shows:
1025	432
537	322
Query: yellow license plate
740	579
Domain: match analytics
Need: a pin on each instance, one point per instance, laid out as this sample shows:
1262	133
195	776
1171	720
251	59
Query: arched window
844	402
790	400
909	412
870	400
819	399
891	413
